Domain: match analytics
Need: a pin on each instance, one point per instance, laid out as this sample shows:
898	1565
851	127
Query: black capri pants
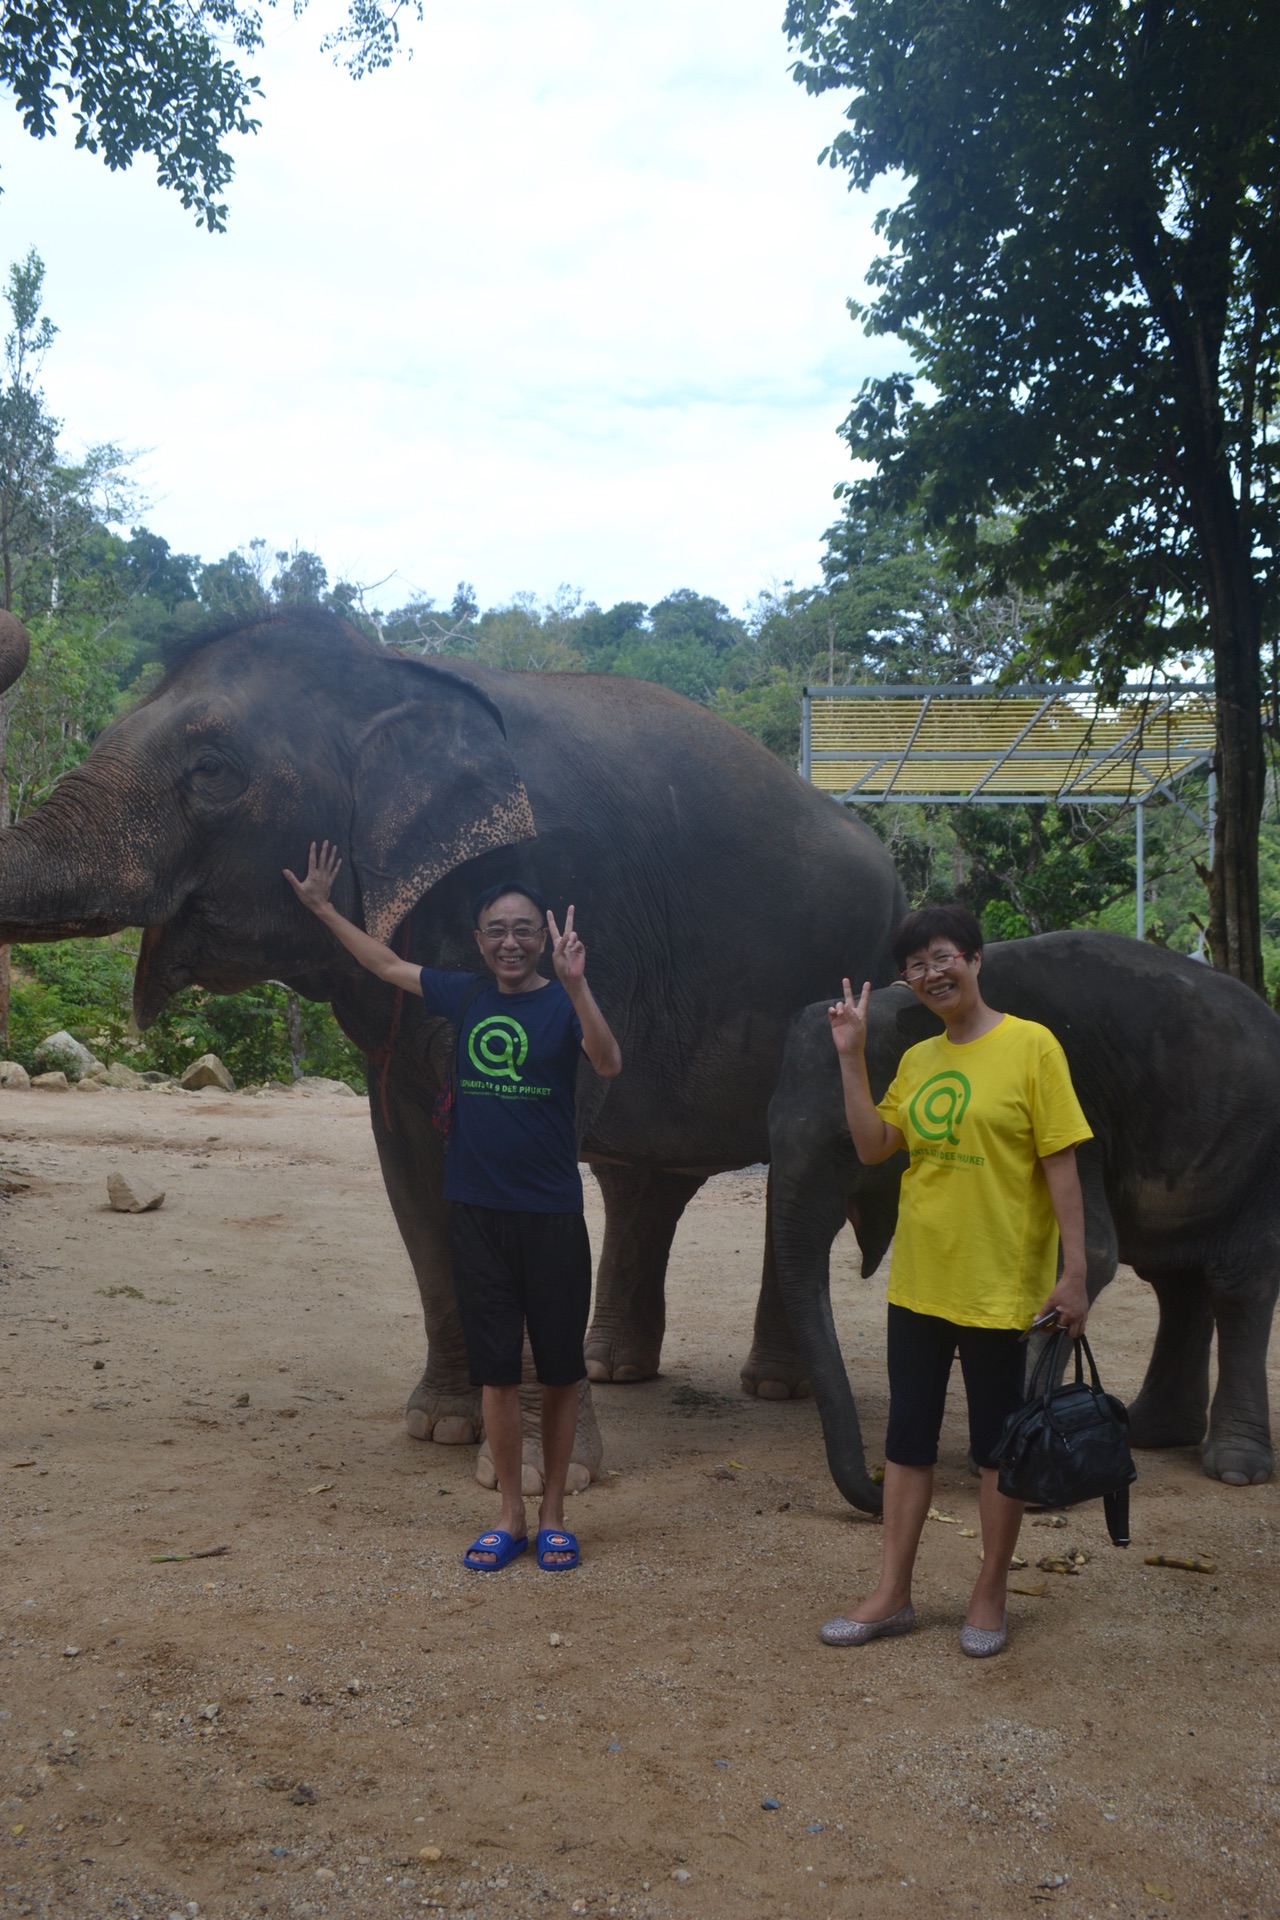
921	1350
512	1270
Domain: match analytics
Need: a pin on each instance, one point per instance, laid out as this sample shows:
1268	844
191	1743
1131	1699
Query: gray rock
52	1083
207	1071
61	1053
14	1076
90	1084
125	1198
316	1083
117	1076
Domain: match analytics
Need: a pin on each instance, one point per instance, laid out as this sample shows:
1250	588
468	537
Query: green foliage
1047	866
601	636
1176	854
28	431
1000	921
302	580
686	644
1079	326
685	665
142	76
86	987
1020	869
1095	342
70	691
521	638
138	78
686	618
235	587
249	1033
768	708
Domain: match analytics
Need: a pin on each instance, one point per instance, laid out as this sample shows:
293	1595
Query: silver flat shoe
981	1642
841	1632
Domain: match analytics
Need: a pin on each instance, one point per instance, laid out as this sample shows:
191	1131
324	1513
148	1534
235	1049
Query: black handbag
1069	1443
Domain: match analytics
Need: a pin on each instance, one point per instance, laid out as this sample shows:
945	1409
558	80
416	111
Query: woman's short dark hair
483	901
951	922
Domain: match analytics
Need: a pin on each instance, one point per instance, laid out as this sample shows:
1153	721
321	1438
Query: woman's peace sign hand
568	955
849	1021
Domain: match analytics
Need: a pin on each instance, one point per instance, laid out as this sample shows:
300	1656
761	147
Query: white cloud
559	299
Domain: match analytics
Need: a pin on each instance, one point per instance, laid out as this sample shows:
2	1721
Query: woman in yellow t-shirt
991	1121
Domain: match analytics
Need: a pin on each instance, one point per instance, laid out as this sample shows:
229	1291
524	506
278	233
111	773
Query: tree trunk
1235	919
1235	913
293	1026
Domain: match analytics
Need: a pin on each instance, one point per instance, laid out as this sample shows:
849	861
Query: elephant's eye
213	778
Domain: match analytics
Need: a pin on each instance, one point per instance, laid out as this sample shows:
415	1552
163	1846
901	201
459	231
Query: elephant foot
1153	1425
621	1373
450	1419
1240	1463
620	1360
578	1478
584	1464
774	1376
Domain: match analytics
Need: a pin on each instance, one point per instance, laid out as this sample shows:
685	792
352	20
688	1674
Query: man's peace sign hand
568	955
849	1021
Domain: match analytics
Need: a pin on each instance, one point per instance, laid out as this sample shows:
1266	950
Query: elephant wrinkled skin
1177	1068
717	893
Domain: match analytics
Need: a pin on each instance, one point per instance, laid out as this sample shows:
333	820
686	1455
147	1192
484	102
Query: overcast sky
559	300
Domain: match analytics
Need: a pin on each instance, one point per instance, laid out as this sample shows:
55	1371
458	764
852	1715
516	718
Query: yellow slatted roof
955	744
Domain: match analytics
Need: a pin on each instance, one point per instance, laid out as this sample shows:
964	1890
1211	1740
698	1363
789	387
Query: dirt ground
333	1718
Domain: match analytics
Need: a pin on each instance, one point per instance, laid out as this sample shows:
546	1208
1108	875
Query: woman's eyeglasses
936	963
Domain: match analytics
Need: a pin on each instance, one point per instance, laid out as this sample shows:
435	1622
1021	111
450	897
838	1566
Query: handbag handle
1048	1362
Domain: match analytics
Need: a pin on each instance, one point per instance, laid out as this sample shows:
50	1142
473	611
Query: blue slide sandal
553	1540
502	1545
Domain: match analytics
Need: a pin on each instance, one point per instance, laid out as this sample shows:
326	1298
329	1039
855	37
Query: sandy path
284	1729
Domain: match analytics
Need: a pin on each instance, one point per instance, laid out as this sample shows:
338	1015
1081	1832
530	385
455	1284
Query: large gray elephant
716	891
1178	1070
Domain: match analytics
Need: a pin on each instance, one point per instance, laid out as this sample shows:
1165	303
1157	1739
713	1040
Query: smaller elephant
1178	1071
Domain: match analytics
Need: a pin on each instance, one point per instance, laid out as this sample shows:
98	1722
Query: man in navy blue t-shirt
521	1257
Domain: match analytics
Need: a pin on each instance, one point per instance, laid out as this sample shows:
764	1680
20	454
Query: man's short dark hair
951	922
483	901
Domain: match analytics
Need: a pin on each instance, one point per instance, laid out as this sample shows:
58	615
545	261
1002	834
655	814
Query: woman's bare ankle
881	1604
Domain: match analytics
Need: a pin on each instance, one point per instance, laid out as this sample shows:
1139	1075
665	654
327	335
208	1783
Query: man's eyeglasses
936	963
522	930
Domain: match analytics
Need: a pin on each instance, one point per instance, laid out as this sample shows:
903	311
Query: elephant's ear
434	785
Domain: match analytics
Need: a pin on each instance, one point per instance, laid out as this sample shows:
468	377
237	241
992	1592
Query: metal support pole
1213	813
1140	839
806	738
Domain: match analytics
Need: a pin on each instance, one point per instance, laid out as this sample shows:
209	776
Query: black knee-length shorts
921	1351
512	1270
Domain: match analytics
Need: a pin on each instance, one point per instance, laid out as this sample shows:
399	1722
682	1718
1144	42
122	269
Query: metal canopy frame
1010	746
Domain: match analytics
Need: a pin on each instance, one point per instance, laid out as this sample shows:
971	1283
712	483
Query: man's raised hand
322	871
849	1020
568	955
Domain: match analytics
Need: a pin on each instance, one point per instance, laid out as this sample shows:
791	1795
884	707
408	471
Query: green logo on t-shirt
938	1107
498	1046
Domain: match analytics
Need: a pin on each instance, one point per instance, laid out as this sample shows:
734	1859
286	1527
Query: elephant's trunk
807	1215
87	861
